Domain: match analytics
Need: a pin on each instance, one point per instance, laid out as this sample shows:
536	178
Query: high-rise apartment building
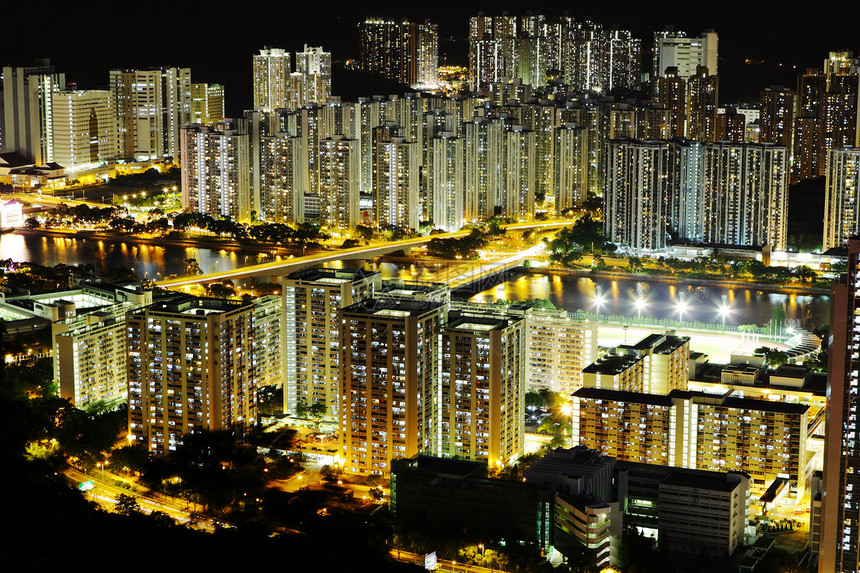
482	387
777	115
677	50
841	213
152	107
570	167
839	547
312	340
89	347
447	177
272	68
84	130
403	51
207	103
314	66
269	335
702	96
746	194
339	180
763	438
639	184
671	89
389	378
280	198
216	170
558	347
191	367
395	182
657	364
28	116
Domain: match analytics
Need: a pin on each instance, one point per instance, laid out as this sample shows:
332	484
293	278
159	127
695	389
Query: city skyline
193	37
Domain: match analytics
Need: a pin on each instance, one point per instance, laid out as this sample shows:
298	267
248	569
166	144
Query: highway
287	266
105	494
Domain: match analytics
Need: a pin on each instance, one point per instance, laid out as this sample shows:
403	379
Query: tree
127	504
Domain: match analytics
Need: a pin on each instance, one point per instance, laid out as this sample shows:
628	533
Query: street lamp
724	310
599	299
567	410
640	304
681	307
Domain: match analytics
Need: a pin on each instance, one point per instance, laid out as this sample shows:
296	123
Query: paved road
287	266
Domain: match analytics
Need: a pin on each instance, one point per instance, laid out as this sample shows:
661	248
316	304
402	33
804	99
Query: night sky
86	39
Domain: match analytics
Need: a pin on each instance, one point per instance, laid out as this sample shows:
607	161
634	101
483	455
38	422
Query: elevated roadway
286	266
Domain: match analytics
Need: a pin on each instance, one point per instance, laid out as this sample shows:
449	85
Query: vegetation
465	248
585	236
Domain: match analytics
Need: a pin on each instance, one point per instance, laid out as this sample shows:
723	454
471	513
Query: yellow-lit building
389	376
482	388
191	366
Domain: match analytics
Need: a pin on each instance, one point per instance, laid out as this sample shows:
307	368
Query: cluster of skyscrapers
82	134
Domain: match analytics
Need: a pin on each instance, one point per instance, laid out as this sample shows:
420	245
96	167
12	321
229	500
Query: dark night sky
86	39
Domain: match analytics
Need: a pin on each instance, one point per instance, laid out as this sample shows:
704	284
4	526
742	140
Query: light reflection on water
702	303
565	291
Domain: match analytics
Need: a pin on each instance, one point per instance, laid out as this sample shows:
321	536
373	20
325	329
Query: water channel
657	299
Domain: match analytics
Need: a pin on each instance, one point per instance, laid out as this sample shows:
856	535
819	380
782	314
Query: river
572	292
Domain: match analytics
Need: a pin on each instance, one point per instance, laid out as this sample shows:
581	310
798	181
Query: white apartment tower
272	67
339	180
216	170
395	183
28	94
446	174
677	50
312	341
314	65
85	135
841	212
152	106
746	194
637	190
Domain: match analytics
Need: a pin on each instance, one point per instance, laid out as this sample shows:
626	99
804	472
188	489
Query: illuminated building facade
482	388
777	115
639	184
191	366
280	200
677	50
395	182
339	180
446	175
403	51
389	378
763	438
841	212
84	125
152	107
28	94
272	67
314	67
311	349
558	348
216	170
207	103
746	194
89	341
839	548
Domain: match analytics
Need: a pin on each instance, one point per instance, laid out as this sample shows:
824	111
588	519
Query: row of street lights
681	305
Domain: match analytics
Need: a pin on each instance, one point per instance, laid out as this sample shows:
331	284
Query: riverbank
790	289
210	243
